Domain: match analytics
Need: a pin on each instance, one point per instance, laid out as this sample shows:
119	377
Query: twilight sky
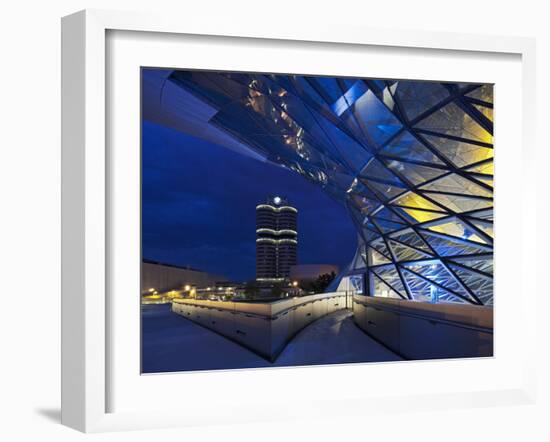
199	199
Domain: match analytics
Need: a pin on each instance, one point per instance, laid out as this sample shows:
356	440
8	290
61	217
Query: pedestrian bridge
264	328
410	329
172	344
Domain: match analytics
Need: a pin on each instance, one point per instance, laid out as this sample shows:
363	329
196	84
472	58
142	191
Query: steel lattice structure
412	161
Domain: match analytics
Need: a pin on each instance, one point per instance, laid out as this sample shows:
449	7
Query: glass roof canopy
412	161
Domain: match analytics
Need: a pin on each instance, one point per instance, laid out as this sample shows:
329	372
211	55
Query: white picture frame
86	205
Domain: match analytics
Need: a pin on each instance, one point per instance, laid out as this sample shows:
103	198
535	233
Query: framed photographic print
259	231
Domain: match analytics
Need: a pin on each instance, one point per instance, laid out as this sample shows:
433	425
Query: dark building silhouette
276	239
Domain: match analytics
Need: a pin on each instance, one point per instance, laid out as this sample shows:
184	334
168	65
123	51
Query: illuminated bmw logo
277	200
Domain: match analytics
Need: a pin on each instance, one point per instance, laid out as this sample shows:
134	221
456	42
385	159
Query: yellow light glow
187	287
456	228
412	199
487	168
423	216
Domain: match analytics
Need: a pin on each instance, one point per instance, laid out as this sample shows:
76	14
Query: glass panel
485	226
356	284
327	87
481	286
436	272
445	246
482	264
483	93
460	204
343	103
387	226
414	173
459	153
485	215
404	253
377	258
422	216
417	97
375	119
389	275
452	120
414	200
423	291
370	235
365	205
487	111
487	168
300	87
382	290
379	252
411	238
407	146
455	227
385	191
378	170
485	179
457	184
387	214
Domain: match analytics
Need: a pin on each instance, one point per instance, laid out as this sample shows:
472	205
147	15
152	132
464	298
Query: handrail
307	300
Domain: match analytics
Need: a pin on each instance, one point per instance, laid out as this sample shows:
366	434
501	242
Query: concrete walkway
333	339
173	343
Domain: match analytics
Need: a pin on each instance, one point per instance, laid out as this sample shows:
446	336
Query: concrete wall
418	330
265	328
164	277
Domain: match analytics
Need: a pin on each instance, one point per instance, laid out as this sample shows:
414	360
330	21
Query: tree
276	291
251	289
320	284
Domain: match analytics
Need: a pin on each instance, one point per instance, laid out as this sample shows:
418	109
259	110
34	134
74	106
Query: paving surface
173	343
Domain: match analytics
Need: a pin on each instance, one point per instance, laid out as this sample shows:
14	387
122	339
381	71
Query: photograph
292	220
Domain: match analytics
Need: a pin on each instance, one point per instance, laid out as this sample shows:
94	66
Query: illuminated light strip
276	209
292	209
277	232
269	240
276	241
287	231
